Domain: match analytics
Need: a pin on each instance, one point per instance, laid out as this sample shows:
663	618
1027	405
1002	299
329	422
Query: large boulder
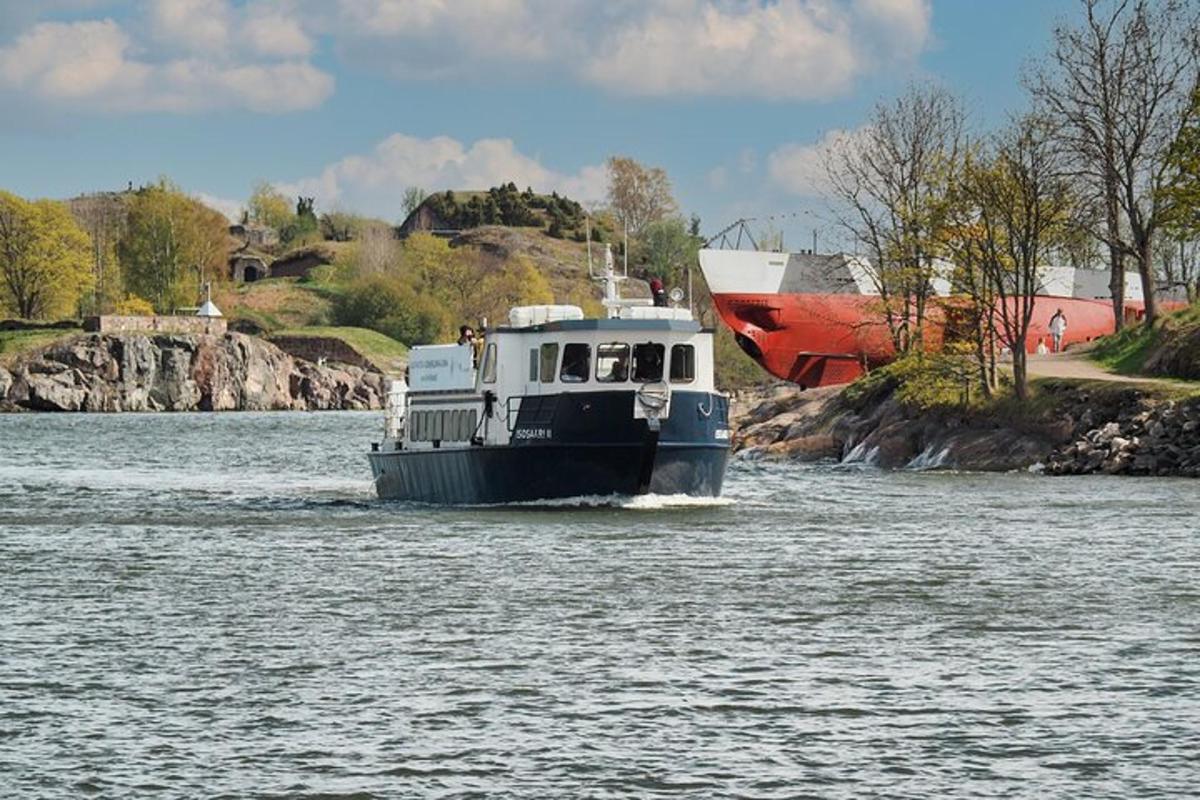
6	382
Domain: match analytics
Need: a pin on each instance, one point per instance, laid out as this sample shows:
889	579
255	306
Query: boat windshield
647	362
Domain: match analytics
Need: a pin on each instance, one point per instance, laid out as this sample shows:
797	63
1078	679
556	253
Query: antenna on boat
625	249
612	296
588	225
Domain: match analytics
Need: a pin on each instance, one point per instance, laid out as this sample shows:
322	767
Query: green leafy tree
268	206
390	306
1182	191
45	258
666	249
172	243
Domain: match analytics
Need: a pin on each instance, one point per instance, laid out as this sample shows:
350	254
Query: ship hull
490	475
572	445
824	339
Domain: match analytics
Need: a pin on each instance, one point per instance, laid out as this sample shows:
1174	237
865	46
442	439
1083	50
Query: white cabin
460	396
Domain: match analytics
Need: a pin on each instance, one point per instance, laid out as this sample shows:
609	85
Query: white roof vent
526	316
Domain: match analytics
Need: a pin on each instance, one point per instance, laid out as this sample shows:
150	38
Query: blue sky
353	100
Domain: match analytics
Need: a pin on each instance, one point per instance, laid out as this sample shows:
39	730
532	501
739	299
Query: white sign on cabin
441	367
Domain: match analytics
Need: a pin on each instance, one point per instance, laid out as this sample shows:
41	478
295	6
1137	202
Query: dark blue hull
586	444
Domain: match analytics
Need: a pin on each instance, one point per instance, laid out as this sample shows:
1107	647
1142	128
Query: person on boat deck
466	335
658	292
1058	327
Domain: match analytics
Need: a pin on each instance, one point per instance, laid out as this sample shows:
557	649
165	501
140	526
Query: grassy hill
385	353
1170	348
276	303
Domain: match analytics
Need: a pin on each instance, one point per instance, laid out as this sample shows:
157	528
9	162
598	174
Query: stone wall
197	326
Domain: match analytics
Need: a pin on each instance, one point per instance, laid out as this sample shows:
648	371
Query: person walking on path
1058	327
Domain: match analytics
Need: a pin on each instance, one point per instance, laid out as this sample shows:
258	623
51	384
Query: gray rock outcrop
1151	439
180	372
1120	430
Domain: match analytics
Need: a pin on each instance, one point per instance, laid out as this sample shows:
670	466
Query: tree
1182	190
341	226
638	195
377	250
1120	86
514	281
890	184
1024	206
389	305
102	217
413	197
45	258
302	227
269	206
171	244
666	249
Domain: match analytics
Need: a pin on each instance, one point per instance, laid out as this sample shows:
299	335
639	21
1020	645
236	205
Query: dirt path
1076	364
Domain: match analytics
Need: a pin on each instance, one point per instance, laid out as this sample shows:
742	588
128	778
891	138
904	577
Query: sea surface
217	606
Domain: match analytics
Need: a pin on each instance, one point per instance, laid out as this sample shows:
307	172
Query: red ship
817	320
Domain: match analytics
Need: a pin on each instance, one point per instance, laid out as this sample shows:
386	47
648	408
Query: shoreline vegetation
1140	418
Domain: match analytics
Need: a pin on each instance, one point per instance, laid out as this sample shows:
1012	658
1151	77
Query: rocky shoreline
1074	429
182	372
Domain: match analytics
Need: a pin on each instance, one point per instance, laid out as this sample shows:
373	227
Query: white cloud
799	169
231	209
268	31
190	55
99	65
374	183
199	26
783	49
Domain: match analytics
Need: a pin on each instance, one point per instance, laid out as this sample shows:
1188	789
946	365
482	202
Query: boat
817	319
554	406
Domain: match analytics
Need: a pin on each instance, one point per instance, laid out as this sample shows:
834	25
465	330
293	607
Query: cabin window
549	361
438	418
489	363
418	433
648	362
533	365
612	362
577	363
683	363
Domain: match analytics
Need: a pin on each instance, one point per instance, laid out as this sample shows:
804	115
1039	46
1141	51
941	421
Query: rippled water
216	605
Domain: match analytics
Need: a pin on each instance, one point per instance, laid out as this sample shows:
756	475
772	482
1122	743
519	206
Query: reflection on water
216	605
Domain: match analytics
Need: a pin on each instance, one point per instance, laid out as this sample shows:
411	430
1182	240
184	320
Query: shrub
392	308
134	306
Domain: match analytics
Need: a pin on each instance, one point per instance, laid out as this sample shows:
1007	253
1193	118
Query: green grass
383	351
1126	351
276	303
14	344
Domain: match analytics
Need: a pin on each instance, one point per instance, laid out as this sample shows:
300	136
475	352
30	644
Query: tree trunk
1020	375
1112	220
1146	271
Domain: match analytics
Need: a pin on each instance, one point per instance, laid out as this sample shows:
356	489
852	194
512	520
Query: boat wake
641	502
